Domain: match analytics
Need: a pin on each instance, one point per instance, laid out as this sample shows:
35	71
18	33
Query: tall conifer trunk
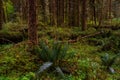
53	12
32	23
1	14
84	15
60	12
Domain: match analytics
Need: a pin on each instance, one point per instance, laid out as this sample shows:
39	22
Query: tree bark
47	12
1	14
110	8
84	15
70	13
77	13
53	12
32	23
60	12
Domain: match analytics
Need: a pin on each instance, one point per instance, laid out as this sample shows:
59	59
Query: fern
108	61
52	55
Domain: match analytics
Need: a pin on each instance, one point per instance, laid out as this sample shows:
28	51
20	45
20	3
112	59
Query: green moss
17	64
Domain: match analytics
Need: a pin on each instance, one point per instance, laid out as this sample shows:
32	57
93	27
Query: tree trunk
77	13
24	11
70	13
60	12
1	14
110	8
32	23
84	15
47	12
53	12
94	12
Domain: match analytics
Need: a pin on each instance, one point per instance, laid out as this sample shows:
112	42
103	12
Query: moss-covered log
113	27
11	37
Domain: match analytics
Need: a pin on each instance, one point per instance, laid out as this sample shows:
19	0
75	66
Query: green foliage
8	6
85	65
27	76
52	55
116	21
13	26
112	43
59	33
15	60
108	61
3	78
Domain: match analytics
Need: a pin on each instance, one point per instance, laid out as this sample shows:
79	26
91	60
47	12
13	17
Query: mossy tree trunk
32	23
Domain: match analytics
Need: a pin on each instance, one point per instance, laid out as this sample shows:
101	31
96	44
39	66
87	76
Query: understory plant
111	44
108	61
52	55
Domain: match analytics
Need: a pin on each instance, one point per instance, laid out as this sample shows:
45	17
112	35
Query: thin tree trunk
101	16
70	13
53	12
47	12
110	8
1	14
60	12
24	11
42	3
77	13
84	15
94	12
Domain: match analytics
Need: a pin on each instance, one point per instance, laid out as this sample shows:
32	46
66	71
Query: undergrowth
16	63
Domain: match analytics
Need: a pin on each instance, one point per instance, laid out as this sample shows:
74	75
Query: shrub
52	55
108	61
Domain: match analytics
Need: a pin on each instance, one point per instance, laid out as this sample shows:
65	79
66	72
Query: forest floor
90	53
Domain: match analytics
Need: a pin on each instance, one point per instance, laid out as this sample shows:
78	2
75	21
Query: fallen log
11	37
92	35
86	36
3	40
113	27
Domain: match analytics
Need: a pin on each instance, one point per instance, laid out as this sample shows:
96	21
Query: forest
59	39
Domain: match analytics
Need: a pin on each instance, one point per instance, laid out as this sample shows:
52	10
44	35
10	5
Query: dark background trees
60	13
69	12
